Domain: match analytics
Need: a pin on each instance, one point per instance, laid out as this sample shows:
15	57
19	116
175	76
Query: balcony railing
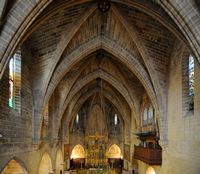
151	156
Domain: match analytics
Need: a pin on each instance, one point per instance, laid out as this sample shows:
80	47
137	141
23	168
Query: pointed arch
114	151
88	79
150	170
78	152
79	100
110	46
59	161
45	166
14	166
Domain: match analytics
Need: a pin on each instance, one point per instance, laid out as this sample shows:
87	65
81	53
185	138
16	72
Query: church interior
99	87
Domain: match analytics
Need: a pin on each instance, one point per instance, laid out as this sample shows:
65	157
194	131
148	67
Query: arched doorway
78	152
77	157
14	167
114	151
59	162
115	158
150	170
45	164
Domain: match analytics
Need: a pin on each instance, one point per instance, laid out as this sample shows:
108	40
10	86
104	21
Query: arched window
77	118
11	82
191	75
115	119
188	82
15	81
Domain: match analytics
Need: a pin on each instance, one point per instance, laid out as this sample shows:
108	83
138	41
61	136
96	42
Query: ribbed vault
64	38
91	31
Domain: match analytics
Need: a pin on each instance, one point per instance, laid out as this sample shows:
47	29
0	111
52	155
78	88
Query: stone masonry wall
182	152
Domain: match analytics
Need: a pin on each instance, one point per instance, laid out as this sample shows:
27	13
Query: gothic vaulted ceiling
73	43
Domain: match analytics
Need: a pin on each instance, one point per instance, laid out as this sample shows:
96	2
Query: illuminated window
191	75
15	81
77	119
115	119
188	83
11	83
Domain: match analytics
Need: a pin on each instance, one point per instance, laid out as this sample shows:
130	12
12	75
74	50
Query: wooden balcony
151	156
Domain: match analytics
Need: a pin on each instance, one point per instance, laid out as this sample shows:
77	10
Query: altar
96	146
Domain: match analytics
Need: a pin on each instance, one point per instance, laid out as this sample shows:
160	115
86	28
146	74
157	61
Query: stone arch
121	81
110	46
107	95
114	151
72	110
59	161
78	152
13	32
181	15
14	35
14	166
66	40
45	166
88	79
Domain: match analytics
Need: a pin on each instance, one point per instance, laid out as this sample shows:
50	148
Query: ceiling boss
104	5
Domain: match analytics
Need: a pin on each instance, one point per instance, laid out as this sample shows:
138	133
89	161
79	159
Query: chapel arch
59	161
114	151
78	152
45	166
14	167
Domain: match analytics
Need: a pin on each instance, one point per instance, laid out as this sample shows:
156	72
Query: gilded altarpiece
96	146
96	138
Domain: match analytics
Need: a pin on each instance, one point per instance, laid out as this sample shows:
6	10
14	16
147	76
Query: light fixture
1	135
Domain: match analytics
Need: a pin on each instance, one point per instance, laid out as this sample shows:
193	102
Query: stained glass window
15	81
191	75
11	83
115	119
